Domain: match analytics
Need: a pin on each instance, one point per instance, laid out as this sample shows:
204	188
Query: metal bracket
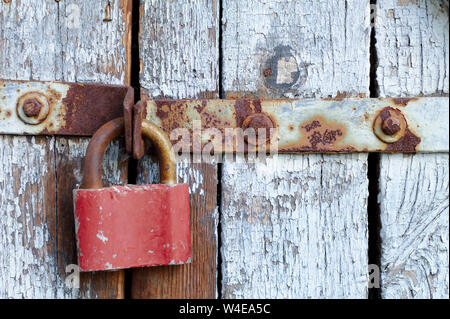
57	108
287	126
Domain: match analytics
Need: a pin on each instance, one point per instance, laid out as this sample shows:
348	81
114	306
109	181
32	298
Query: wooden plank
179	58
295	227
413	57
65	41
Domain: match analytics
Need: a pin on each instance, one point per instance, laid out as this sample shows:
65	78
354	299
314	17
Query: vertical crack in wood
221	90
373	170
219	165
134	82
373	84
374	219
219	232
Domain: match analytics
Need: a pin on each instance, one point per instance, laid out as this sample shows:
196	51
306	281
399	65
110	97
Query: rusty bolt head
258	122
32	108
267	72
389	125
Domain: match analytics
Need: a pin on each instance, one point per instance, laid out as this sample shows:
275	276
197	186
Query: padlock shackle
92	167
166	155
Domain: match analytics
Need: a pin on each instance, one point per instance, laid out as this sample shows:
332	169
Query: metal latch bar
288	126
317	125
58	108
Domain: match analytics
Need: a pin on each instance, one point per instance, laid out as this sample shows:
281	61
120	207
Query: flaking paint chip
102	237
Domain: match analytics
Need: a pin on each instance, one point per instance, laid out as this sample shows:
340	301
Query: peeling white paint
101	236
413	54
193	50
296	227
36	45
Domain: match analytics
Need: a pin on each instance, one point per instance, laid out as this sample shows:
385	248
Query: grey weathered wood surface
413	53
296	227
37	174
179	52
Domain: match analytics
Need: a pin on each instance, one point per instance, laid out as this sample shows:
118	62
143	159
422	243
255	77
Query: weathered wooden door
301	226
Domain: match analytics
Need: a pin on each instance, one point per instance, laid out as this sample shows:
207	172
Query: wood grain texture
179	48
179	59
412	48
329	41
47	41
295	227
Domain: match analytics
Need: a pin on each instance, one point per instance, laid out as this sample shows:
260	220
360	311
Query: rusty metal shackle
92	166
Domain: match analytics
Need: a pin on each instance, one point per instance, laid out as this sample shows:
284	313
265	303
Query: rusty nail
267	72
108	13
258	121
32	108
389	125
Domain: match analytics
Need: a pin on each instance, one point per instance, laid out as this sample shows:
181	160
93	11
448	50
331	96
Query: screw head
32	108
258	122
390	125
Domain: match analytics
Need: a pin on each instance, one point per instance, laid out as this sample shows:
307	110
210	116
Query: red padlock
131	226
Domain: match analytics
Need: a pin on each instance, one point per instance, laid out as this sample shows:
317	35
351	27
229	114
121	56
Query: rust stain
403	101
406	2
267	72
319	135
91	105
366	116
172	114
243	108
407	143
340	96
234	95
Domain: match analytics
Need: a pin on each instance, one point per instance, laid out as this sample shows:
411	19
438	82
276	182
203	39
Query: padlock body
132	226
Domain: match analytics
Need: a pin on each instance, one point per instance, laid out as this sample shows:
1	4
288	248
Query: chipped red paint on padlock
135	225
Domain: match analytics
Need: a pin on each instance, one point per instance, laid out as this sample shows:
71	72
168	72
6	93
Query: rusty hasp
57	108
308	125
230	126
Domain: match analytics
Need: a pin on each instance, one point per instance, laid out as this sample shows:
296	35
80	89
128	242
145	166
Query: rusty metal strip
312	125
291	126
57	108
